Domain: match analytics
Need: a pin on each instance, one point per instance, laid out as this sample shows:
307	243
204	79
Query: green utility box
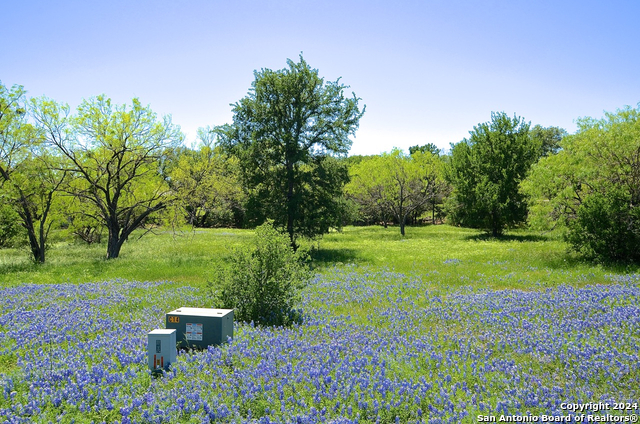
198	328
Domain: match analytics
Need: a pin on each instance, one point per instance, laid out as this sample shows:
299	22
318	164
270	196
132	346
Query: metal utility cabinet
161	348
201	327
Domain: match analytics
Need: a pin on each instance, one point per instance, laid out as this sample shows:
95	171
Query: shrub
263	284
606	228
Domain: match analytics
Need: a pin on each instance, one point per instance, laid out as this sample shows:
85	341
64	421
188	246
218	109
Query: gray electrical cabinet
201	327
161	348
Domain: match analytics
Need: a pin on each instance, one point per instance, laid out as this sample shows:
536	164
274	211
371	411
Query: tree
412	183
548	139
367	187
591	187
429	147
485	172
28	170
12	147
114	154
207	184
35	188
285	133
396	184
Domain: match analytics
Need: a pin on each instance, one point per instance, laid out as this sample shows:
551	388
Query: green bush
263	284
606	228
10	229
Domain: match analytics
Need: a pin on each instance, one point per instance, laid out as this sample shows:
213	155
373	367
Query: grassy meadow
444	325
188	256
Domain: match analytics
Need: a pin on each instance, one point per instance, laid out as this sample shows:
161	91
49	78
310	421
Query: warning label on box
194	331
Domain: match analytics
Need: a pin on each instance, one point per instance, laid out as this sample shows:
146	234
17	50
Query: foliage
352	160
548	139
366	188
606	228
396	184
284	133
29	171
485	171
12	114
85	228
35	189
9	224
429	147
207	184
591	187
263	284
114	154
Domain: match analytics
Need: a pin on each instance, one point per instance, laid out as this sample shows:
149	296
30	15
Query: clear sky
428	71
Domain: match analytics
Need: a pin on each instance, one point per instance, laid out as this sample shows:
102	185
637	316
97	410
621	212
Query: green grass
185	257
521	259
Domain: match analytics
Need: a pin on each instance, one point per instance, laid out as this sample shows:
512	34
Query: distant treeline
106	170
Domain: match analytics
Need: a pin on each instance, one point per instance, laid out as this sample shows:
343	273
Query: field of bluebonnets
455	337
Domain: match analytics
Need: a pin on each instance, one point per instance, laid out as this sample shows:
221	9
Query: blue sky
428	71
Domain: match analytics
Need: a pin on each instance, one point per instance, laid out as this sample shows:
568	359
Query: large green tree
485	171
286	133
591	187
114	153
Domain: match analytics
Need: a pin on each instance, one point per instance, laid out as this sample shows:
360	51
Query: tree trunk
113	244
291	207
401	215
41	241
37	248
496	227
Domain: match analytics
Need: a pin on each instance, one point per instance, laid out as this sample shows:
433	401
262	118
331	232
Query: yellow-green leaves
592	186
396	185
115	153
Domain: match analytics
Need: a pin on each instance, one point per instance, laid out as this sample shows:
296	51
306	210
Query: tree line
113	169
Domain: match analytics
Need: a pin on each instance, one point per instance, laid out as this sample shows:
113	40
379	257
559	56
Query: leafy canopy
30	175
114	153
206	183
286	133
396	184
485	171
